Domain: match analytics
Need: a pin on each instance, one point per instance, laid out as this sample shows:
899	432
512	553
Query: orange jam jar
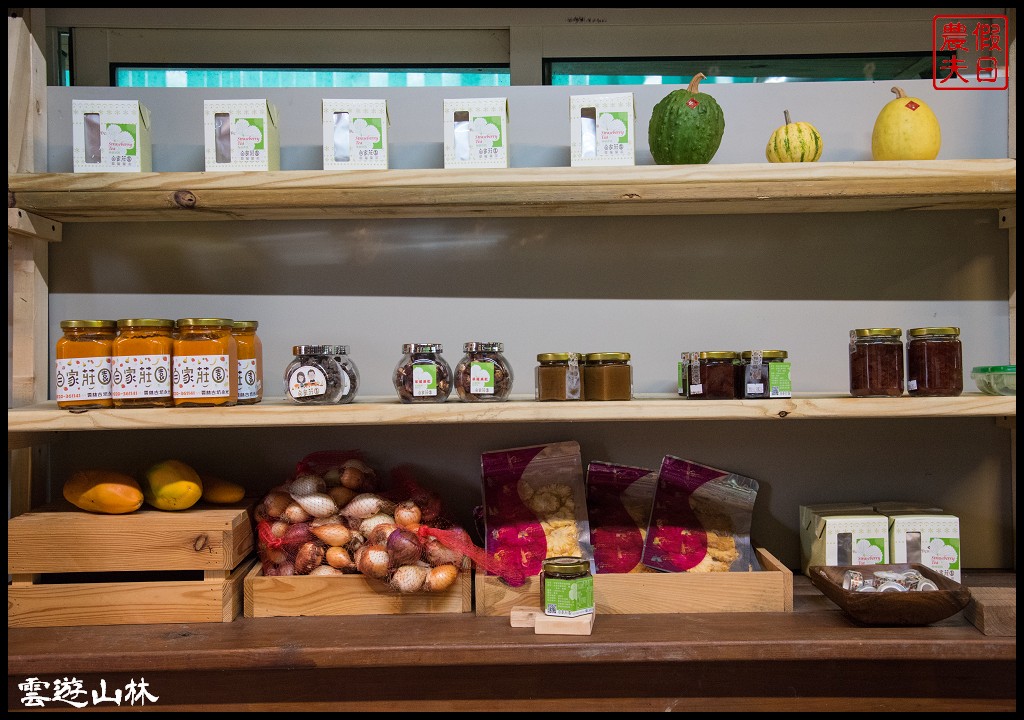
84	364
204	370
142	355
250	361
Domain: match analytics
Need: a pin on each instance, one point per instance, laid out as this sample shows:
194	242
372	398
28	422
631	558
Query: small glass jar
764	374
142	355
204	369
935	362
876	362
250	361
423	375
84	365
713	376
559	376
484	374
608	376
321	375
567	587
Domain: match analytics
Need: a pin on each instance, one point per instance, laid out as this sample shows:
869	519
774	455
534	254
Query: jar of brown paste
935	363
876	362
714	377
559	376
608	376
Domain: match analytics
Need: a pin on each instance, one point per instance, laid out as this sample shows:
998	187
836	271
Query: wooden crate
299	595
644	593
70	567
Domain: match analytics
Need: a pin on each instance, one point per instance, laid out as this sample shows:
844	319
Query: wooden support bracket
527	616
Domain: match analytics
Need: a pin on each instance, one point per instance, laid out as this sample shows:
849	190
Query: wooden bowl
891	608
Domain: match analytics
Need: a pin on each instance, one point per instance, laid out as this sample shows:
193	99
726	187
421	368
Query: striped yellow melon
794	142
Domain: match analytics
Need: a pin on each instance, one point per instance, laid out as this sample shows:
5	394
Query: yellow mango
219	491
172	485
103	491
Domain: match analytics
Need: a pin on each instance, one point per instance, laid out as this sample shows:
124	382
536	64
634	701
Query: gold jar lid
217	322
608	357
145	322
719	355
558	357
566	566
773	354
878	332
244	325
918	332
88	324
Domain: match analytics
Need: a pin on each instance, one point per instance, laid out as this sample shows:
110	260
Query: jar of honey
559	376
608	376
83	364
205	366
142	355
250	361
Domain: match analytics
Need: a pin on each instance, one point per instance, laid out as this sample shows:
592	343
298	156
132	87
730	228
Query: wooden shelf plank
277	412
520	192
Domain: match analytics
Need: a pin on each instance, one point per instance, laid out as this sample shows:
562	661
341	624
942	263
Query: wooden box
645	593
298	595
71	567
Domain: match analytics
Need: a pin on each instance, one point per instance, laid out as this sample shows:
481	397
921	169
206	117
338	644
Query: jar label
697	389
911	385
424	380
481	377
307	381
681	376
248	383
84	379
141	376
573	385
779	383
755	388
201	376
565	597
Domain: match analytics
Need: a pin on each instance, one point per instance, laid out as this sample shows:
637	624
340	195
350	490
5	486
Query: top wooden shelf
519	192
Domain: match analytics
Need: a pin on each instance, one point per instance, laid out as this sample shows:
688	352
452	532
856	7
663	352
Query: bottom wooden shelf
813	658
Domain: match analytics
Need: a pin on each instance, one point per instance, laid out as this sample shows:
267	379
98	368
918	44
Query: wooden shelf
520	192
816	642
277	412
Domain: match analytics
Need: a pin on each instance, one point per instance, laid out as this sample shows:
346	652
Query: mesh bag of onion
330	518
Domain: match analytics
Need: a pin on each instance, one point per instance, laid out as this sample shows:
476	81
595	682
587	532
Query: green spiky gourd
686	126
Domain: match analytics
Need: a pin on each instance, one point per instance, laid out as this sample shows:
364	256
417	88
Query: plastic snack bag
619	501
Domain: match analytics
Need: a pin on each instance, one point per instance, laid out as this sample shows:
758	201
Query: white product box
476	133
925	539
896	506
241	135
601	130
842	537
355	134
111	136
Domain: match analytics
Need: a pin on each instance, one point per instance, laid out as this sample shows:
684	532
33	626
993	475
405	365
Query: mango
172	485
219	491
103	491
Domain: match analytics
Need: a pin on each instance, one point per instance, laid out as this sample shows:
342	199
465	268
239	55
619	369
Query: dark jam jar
764	374
876	362
935	363
714	376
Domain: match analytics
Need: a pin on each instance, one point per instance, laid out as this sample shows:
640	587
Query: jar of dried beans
935	363
876	362
484	374
321	375
423	375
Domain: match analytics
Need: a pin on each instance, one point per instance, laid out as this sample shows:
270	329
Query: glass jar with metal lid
142	354
321	375
84	365
204	370
713	376
559	376
608	376
876	362
423	375
935	362
484	374
250	361
567	587
764	374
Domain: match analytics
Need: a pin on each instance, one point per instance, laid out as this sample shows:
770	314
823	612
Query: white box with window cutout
601	130
111	136
932	540
476	133
241	135
355	134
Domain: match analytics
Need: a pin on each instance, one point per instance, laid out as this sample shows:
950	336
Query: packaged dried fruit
619	500
535	505
700	520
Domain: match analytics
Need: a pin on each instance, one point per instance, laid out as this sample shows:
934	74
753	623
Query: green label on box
569	598
779	384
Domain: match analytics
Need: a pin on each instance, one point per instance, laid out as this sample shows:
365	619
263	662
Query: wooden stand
529	616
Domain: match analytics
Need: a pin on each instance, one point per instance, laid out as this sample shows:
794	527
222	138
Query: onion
341	495
356	475
367	525
338	557
407	515
333	534
279	528
295	514
309	556
307	484
296	535
409	578
318	504
380	533
404	547
275	503
364	505
440	578
374	561
325	570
